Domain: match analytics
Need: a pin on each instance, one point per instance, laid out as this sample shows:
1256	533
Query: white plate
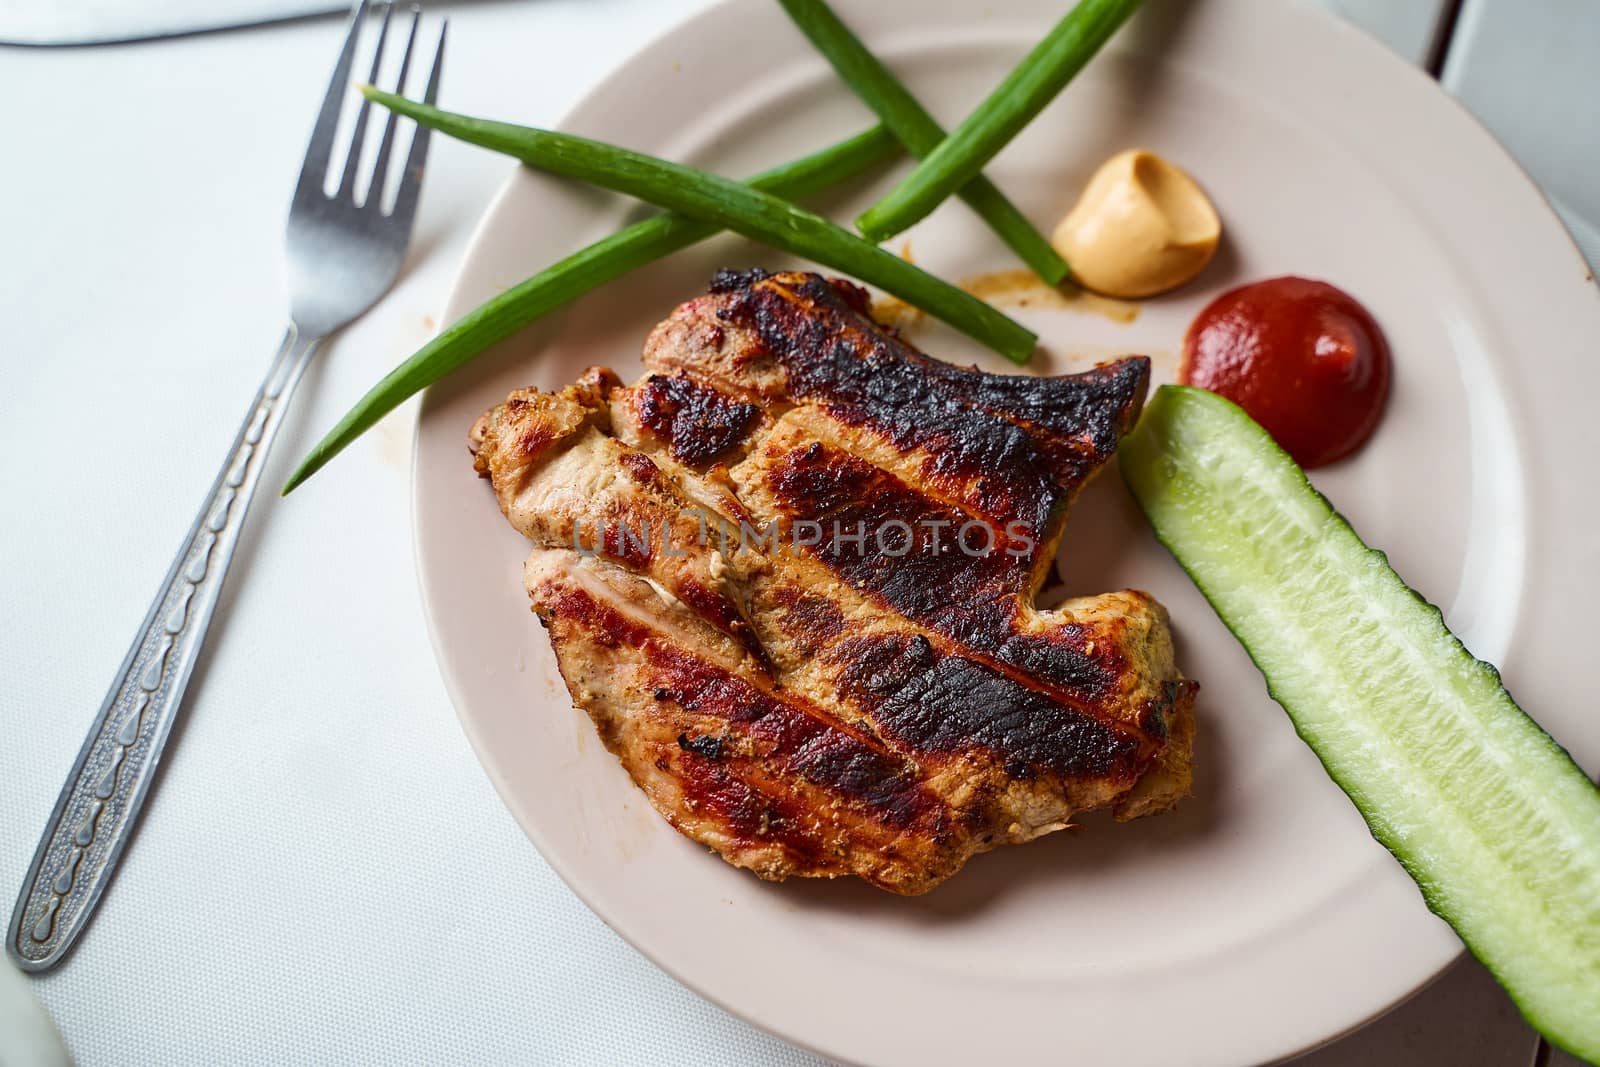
1260	918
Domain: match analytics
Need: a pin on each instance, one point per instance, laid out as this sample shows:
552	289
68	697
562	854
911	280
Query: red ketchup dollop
1302	357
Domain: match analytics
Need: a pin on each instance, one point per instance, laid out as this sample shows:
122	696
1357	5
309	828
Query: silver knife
68	22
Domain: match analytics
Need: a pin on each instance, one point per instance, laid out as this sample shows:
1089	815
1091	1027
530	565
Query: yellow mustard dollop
1141	227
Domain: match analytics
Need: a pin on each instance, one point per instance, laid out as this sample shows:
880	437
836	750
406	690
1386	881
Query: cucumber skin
1561	998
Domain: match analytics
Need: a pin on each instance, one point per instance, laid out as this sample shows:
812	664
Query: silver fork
343	255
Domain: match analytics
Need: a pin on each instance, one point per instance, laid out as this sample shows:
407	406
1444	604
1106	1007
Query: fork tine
358	136
380	166
315	168
405	201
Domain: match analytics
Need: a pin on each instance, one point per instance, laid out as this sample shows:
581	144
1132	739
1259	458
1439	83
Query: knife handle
100	801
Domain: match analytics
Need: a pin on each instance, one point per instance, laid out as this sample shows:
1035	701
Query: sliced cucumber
1499	827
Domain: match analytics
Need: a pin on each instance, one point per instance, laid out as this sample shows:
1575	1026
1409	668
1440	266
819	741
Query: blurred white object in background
1528	72
1411	27
96	21
27	1036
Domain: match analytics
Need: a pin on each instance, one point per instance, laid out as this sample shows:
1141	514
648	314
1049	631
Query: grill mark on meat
1060	658
868	378
921	699
813	622
853	296
644	470
626	544
753	770
721	612
790	733
698	423
885	394
954	704
704	745
929	577
970	599
712	788
1083	416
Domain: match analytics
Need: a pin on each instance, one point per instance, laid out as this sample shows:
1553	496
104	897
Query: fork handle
99	804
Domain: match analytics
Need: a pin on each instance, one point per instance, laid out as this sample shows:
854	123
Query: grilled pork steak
790	575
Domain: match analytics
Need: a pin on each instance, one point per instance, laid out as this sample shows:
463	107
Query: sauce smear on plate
1304	358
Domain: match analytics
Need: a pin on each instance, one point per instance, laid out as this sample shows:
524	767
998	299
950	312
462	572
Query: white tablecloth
324	873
